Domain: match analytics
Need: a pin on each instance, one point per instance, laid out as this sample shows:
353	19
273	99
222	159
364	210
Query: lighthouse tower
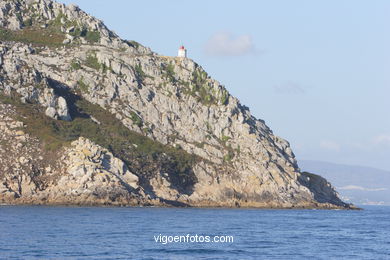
182	52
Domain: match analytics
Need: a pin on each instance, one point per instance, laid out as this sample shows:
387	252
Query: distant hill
358	184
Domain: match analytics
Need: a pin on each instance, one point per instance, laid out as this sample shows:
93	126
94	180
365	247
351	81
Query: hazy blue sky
316	71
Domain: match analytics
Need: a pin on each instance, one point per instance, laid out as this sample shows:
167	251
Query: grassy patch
92	36
92	61
225	138
51	36
77	32
136	119
75	65
39	125
34	35
89	36
83	86
200	145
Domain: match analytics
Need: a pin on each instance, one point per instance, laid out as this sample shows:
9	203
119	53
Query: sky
317	72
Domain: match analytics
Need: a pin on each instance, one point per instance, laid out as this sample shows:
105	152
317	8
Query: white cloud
227	44
330	145
355	187
383	139
289	88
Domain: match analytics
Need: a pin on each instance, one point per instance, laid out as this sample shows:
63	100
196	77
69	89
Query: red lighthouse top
182	47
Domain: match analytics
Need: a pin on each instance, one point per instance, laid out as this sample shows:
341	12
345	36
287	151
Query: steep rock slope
180	137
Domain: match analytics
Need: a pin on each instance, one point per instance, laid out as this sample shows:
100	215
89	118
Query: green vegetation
142	155
33	35
224	97
140	73
57	22
92	61
225	138
79	31
205	93
238	149
38	124
146	130
133	44
228	157
136	119
28	22
199	78
230	151
169	73
200	89
312	176
200	145
92	36
82	86
51	36
19	16
75	65
40	85
105	68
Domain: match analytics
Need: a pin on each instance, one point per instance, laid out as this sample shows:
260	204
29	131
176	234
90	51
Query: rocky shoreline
149	204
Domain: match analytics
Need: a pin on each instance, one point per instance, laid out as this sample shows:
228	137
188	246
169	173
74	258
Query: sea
39	232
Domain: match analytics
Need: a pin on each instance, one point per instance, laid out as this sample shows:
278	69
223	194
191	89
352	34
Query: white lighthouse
182	52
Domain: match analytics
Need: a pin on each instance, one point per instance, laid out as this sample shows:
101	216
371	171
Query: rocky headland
87	118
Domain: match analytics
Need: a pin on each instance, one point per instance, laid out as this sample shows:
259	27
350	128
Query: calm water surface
128	233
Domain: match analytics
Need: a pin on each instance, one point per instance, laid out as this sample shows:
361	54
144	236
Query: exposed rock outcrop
83	173
208	150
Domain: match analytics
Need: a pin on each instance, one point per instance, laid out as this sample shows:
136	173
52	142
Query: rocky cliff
89	118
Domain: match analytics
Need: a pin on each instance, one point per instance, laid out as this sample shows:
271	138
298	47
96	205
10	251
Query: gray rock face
170	100
83	173
30	84
57	107
87	160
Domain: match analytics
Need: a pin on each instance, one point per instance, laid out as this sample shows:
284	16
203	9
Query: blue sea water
128	233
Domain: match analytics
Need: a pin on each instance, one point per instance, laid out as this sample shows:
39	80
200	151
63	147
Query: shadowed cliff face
124	125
